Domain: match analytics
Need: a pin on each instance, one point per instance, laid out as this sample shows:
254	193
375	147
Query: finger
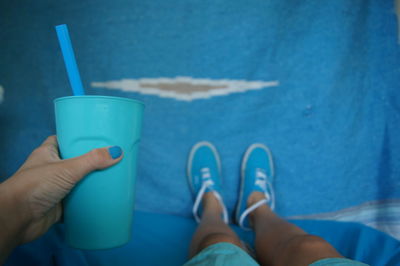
58	213
51	143
47	152
51	147
50	140
76	168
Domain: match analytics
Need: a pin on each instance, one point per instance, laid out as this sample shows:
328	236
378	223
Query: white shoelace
208	183
261	181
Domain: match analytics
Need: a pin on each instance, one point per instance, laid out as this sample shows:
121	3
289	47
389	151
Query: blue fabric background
332	124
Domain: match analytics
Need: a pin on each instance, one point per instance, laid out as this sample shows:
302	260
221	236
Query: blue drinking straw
69	60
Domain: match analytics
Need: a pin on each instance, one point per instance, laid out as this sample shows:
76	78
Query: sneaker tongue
261	180
210	184
207	175
260	186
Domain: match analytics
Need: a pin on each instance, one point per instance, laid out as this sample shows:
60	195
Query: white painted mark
184	88
1	94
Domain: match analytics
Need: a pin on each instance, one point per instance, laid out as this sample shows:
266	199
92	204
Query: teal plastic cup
98	211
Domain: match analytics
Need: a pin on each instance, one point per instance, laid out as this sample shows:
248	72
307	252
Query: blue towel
151	244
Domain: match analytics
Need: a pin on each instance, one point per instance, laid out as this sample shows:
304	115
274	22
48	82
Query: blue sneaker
257	175
204	175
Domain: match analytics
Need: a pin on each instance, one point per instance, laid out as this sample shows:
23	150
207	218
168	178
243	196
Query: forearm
7	244
11	224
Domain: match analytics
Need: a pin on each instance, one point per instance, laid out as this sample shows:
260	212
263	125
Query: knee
215	238
303	250
306	244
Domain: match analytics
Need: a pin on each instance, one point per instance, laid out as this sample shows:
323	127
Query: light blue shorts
222	254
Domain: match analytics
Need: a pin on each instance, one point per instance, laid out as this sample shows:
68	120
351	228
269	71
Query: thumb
76	168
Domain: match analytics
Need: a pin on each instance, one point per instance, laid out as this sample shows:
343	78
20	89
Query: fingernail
115	151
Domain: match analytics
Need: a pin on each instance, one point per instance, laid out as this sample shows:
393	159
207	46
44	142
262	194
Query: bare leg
279	242
212	228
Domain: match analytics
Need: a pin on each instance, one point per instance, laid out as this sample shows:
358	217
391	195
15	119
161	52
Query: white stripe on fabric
383	215
154	87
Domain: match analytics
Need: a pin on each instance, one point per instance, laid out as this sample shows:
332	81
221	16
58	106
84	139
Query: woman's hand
30	200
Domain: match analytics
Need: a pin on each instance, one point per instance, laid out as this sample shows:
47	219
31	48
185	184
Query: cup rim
98	96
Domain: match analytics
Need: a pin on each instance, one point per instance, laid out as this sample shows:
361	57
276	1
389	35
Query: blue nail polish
115	151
